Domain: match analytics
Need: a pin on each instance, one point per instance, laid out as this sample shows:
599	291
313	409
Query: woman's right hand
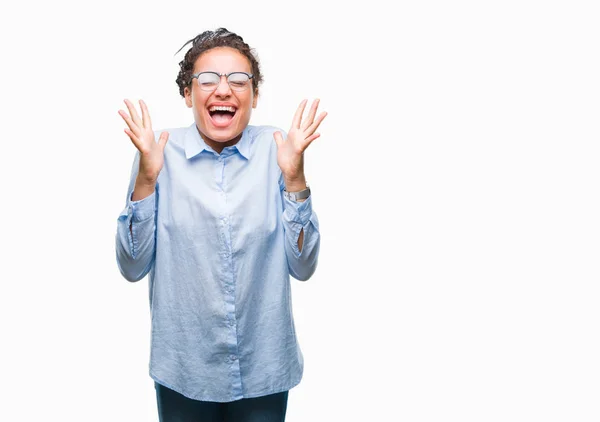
141	134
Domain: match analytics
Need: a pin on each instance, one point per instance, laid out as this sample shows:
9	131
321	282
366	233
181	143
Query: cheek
199	101
250	102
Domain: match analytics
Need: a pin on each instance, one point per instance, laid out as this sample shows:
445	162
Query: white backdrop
455	180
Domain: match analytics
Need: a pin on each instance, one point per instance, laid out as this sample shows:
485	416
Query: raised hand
290	153
141	134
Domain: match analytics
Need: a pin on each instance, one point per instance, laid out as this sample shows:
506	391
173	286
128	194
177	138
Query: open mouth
222	115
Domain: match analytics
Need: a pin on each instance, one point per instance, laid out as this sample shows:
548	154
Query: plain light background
456	183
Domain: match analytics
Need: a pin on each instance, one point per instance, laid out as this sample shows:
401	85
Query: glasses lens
238	81
208	81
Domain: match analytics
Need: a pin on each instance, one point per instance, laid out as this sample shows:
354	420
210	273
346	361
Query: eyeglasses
209	81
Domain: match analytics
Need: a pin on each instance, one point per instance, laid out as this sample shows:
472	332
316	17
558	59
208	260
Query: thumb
162	141
278	138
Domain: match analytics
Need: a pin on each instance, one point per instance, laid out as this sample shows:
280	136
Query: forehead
222	60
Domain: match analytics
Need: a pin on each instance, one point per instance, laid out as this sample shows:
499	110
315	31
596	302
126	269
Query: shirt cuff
298	212
140	210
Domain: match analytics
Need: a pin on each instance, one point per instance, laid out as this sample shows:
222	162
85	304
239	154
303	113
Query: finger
311	114
162	141
309	140
298	115
133	113
316	123
132	126
145	115
278	138
133	138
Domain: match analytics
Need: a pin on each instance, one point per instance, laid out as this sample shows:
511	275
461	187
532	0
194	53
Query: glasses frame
220	75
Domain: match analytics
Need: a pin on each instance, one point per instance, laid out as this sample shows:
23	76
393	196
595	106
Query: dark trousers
174	407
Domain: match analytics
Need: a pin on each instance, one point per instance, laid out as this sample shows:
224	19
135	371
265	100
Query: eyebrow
225	73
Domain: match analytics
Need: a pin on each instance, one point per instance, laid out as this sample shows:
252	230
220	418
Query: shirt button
233	357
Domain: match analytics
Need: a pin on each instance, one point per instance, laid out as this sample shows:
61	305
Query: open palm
290	151
141	134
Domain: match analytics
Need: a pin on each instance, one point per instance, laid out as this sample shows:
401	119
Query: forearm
296	185
143	189
302	263
302	238
135	239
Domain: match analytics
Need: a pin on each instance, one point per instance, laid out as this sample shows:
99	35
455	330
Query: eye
208	79
238	79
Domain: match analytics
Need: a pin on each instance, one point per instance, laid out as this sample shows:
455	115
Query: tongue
222	118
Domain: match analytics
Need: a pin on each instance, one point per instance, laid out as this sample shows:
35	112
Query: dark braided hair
211	39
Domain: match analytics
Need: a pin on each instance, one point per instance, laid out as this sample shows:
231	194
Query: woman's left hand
290	152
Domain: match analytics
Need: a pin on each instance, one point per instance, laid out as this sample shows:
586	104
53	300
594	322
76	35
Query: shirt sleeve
136	233
298	216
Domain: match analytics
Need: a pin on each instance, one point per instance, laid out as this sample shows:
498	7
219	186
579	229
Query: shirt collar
194	144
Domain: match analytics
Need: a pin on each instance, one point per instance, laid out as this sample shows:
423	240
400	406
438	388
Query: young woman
220	215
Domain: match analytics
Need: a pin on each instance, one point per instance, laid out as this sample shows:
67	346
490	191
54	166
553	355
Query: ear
187	92
255	100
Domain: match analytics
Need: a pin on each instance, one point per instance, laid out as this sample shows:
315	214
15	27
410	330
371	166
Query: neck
218	146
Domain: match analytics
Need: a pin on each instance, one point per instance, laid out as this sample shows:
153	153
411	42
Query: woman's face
218	128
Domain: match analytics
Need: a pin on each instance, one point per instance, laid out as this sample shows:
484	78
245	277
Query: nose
223	87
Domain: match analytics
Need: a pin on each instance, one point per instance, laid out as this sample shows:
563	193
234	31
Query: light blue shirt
219	241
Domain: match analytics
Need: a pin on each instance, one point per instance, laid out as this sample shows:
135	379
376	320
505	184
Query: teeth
222	108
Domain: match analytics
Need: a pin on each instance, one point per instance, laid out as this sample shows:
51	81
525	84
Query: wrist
298	195
295	184
144	181
142	189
